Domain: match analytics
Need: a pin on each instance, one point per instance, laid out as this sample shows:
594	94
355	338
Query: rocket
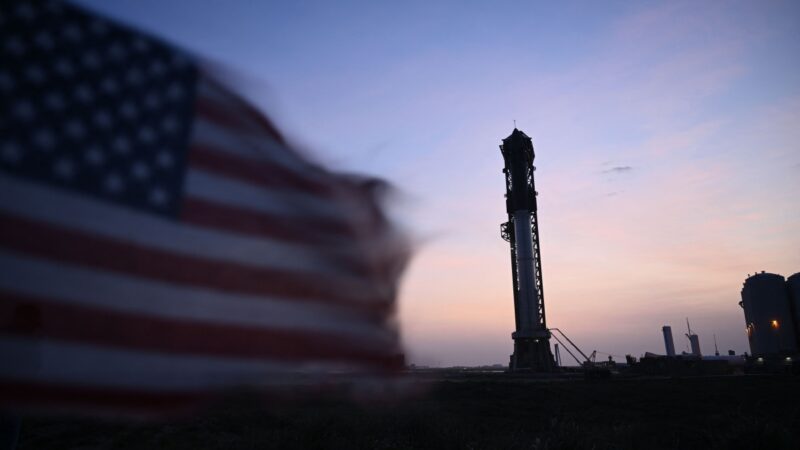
531	337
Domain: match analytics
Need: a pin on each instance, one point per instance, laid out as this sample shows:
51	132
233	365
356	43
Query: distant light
775	324
788	358
760	359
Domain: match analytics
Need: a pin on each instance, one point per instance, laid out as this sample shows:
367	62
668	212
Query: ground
464	411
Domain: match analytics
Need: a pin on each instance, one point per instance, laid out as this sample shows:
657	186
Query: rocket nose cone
516	134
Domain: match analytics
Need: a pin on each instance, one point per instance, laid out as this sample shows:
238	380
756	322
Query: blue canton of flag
92	107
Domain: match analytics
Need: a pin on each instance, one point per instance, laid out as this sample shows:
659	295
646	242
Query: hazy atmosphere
666	138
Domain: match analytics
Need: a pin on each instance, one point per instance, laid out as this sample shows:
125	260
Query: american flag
160	240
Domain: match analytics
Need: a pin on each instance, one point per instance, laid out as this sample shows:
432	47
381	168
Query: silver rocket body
528	300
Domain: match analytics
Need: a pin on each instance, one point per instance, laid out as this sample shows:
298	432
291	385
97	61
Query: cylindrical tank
694	342
793	289
669	344
767	314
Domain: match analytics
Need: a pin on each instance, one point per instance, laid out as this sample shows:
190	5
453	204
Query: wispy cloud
618	169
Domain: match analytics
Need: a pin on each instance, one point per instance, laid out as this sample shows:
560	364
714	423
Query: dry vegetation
479	411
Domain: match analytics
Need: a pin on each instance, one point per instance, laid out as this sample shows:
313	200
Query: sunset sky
667	140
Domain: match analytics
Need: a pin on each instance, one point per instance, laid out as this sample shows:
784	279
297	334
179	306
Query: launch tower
531	337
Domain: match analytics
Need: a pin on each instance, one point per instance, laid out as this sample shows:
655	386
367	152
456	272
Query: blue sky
666	136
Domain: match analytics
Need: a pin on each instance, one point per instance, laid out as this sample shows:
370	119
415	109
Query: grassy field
479	411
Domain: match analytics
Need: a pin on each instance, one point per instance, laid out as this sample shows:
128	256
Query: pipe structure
580	363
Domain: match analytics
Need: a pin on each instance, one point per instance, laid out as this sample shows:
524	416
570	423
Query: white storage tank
768	317
793	289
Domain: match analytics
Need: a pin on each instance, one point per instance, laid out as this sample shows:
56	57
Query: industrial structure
531	336
771	305
692	363
793	290
772	314
669	344
694	340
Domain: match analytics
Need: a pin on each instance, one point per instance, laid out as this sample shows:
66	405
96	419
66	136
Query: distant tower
558	356
531	338
694	340
669	344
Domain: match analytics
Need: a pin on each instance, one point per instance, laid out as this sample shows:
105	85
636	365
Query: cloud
618	169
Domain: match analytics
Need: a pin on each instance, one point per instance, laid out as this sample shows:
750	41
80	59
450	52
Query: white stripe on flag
86	287
253	146
293	204
48	361
56	206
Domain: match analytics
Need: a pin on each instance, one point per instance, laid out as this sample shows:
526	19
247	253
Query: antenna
716	350
515	124
689	327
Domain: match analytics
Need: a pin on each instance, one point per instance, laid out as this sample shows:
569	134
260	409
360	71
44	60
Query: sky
667	139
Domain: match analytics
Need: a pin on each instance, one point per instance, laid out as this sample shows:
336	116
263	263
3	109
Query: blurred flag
160	240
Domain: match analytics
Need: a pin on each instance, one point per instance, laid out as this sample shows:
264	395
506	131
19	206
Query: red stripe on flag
135	331
77	247
309	231
259	172
318	232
